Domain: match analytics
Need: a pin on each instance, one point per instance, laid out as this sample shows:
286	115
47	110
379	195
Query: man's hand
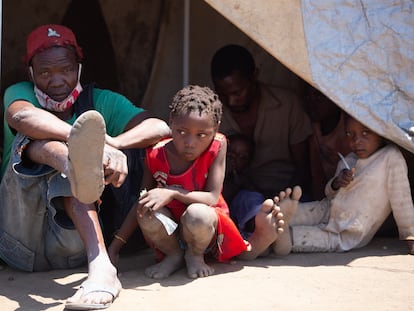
115	166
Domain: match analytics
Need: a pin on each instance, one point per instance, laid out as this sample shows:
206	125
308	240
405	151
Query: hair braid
196	98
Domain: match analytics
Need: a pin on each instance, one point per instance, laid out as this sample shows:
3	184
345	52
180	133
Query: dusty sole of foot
289	202
86	144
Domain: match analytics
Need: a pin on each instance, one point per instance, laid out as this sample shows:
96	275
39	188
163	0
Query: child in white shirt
369	184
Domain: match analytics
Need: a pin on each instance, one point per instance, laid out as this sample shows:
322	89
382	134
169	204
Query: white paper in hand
169	224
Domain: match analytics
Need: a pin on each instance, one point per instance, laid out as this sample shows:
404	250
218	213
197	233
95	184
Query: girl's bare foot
288	202
196	266
166	267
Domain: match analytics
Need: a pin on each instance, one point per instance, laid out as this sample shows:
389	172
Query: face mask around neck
52	105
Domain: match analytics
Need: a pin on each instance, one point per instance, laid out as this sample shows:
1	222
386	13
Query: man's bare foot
288	202
166	267
99	290
196	266
271	218
268	226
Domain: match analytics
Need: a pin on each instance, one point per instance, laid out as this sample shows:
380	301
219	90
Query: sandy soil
377	277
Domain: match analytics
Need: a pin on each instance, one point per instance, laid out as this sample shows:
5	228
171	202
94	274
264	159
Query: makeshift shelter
359	53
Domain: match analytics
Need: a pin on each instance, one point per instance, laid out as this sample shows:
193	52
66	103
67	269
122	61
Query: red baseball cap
50	35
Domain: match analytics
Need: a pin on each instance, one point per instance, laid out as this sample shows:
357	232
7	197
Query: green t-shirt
116	110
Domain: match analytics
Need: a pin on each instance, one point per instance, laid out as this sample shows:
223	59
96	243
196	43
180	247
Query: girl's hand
153	200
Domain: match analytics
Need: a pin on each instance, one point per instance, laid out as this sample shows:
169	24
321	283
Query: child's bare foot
166	267
196	266
288	202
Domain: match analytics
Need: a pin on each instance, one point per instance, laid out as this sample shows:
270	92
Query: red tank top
193	179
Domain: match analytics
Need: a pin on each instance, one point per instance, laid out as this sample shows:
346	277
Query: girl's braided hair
197	98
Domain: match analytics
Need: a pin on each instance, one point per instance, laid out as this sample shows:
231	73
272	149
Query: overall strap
85	99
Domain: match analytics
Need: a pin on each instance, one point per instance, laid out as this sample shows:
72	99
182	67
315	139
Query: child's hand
410	245
153	200
344	178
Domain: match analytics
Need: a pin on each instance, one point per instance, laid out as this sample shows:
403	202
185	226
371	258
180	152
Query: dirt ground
377	277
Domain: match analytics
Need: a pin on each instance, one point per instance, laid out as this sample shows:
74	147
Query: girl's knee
199	224
149	224
199	215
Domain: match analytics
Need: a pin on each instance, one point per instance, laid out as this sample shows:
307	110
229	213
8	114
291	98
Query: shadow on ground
49	290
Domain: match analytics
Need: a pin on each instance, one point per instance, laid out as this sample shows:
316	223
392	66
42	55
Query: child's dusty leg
155	233
268	226
288	202
128	227
199	223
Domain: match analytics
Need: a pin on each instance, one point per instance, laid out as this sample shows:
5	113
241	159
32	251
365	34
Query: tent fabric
274	25
360	53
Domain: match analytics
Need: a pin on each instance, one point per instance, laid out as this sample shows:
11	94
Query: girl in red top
184	175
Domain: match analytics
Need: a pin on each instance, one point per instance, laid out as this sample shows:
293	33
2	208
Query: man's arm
35	122
142	131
